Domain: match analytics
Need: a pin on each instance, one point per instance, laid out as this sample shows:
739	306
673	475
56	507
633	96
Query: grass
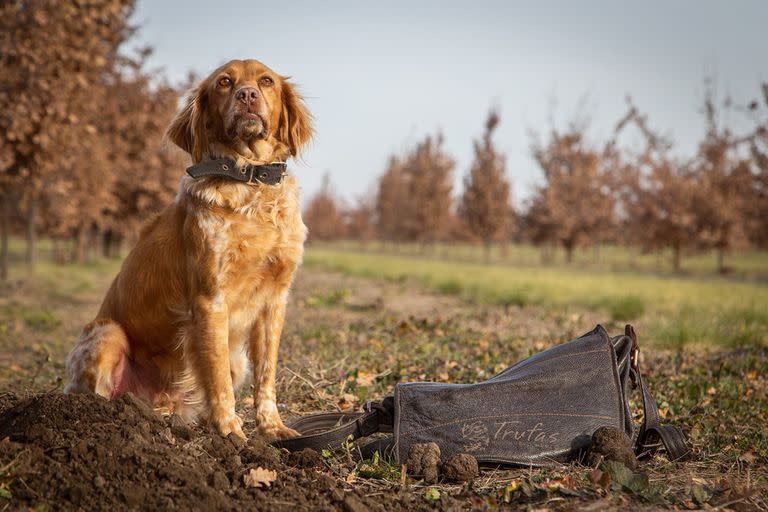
328	298
43	309
717	395
748	264
672	310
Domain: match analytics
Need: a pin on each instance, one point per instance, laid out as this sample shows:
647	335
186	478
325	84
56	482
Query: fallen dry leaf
347	401
365	378
260	477
17	369
599	478
748	457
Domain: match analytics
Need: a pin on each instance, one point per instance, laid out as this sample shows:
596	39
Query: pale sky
379	75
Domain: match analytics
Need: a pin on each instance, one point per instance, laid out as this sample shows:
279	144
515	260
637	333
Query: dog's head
242	110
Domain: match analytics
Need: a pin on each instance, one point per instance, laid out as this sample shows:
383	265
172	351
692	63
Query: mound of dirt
84	452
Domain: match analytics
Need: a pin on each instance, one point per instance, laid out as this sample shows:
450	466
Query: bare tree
658	194
485	204
427	208
391	198
757	207
48	66
146	171
323	215
725	187
574	206
359	221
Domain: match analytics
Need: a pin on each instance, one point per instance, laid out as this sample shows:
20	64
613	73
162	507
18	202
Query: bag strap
329	430
652	429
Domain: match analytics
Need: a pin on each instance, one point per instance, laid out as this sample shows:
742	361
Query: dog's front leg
210	358
264	343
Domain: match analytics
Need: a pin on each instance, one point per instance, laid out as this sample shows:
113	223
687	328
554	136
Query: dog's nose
247	94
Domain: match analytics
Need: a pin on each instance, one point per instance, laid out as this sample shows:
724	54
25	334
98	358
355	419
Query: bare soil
71	452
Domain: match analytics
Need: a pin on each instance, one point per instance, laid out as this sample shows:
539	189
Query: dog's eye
225	81
266	81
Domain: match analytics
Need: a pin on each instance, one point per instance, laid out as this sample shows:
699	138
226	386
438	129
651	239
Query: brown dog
202	296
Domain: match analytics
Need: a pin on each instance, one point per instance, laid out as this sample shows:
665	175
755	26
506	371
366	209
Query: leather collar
269	174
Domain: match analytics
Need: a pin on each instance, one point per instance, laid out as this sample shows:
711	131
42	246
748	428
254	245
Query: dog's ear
295	128
188	128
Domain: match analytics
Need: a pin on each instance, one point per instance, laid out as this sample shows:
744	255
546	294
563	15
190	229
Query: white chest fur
253	238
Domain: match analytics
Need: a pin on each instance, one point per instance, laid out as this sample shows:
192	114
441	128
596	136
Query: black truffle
610	443
461	468
423	460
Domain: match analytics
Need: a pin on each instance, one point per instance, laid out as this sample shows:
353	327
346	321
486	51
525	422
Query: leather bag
541	411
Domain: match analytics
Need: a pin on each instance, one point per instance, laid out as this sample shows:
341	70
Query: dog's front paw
231	423
279	431
270	424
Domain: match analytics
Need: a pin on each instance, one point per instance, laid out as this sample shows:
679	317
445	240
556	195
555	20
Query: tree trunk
676	258
5	226
546	253
31	231
92	243
81	239
721	260
487	250
58	251
117	246
106	243
568	253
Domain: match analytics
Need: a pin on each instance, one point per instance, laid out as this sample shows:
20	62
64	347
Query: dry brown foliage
82	152
575	205
485	204
359	221
414	200
323	216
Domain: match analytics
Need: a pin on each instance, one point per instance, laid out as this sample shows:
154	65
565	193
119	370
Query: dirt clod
220	481
306	458
179	427
461	468
237	441
99	482
610	443
424	460
353	504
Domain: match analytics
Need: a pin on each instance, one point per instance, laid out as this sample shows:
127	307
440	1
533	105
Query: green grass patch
747	263
331	298
624	309
735	326
378	468
672	311
450	287
36	317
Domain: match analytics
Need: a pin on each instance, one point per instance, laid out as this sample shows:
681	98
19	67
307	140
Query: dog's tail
98	359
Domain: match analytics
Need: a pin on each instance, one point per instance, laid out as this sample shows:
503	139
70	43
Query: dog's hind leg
99	353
